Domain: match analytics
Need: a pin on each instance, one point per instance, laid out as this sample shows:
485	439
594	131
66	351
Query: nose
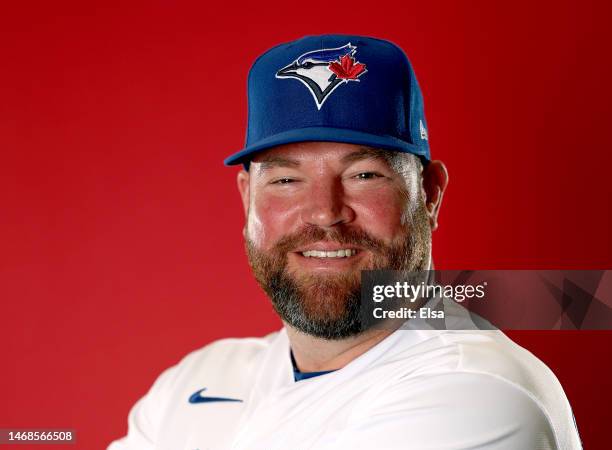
325	205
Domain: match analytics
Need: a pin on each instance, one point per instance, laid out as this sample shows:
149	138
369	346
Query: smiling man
336	179
318	213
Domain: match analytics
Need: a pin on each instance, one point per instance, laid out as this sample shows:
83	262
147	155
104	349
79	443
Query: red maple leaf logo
347	69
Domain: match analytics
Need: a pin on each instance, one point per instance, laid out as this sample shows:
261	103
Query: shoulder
220	367
457	410
485	379
220	363
484	352
226	355
229	351
491	354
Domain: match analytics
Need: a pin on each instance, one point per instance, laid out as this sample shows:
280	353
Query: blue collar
299	376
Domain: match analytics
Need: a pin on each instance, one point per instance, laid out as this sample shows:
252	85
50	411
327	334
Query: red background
120	230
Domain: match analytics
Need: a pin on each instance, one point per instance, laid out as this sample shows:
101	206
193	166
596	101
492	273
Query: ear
435	180
243	187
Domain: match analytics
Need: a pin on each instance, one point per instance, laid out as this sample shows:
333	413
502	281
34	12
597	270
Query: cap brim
328	135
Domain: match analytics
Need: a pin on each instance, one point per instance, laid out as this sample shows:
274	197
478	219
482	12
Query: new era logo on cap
423	131
322	71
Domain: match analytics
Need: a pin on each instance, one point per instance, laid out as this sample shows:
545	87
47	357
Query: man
337	178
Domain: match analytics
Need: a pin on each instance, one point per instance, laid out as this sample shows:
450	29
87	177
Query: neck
313	354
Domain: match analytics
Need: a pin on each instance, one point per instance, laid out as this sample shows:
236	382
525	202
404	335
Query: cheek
381	213
269	219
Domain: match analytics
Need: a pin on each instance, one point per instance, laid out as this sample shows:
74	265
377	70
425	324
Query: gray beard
329	306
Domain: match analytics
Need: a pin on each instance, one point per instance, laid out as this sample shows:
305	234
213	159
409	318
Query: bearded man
337	178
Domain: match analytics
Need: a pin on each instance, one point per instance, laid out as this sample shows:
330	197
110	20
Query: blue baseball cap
337	88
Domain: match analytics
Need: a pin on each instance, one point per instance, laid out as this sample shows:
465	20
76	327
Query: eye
283	181
307	65
367	175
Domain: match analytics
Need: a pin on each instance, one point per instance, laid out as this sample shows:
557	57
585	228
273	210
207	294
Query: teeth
335	254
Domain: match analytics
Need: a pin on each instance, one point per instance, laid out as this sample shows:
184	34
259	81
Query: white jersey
416	389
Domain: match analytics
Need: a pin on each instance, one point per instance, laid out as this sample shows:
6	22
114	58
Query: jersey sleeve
145	417
458	411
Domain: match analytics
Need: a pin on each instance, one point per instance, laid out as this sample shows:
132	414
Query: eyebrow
366	153
272	161
276	161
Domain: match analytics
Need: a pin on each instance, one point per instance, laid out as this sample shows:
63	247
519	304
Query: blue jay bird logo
322	71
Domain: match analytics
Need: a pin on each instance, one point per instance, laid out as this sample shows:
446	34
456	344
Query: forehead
304	152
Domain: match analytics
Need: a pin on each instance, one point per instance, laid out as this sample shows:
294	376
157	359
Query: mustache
341	235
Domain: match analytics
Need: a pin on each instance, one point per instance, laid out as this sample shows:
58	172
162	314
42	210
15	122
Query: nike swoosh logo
197	397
